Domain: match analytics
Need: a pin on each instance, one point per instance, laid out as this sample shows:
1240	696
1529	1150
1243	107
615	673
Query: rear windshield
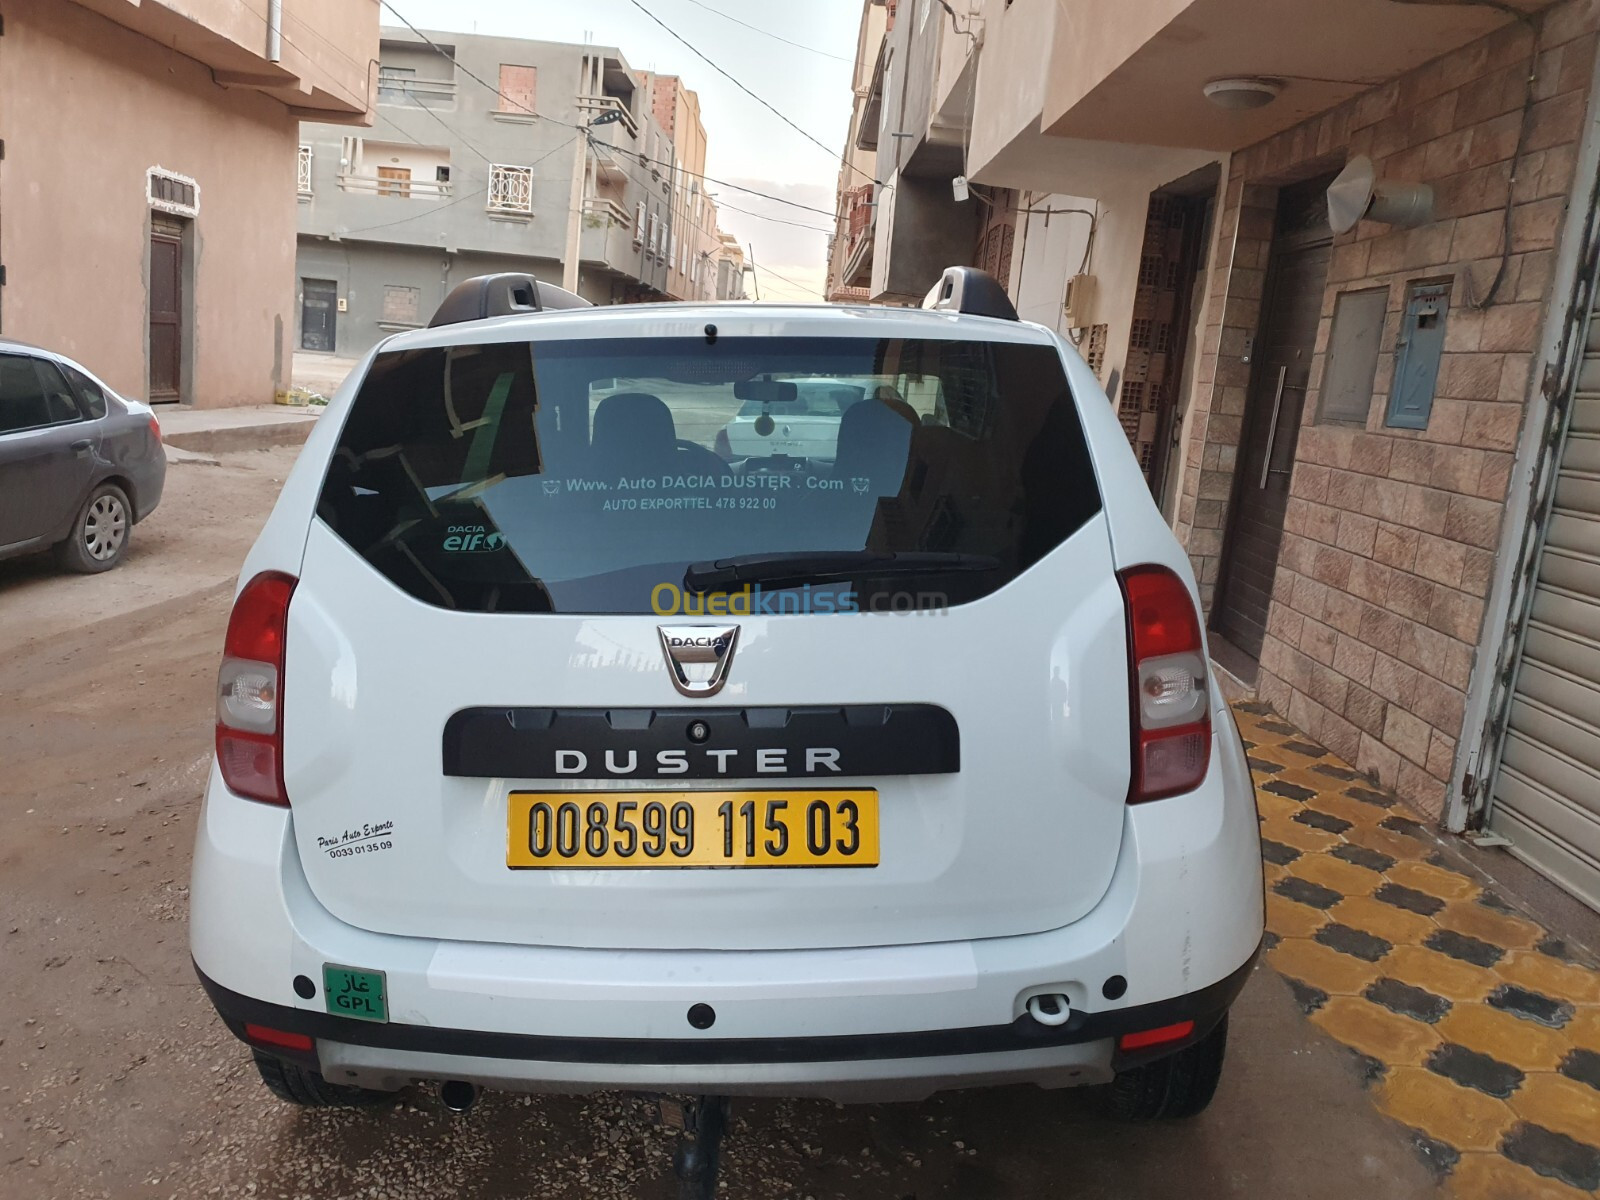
595	476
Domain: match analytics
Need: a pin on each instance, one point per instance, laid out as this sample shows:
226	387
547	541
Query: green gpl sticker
352	992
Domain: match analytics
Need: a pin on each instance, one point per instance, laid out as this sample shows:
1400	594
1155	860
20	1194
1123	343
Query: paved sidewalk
223	430
1473	1026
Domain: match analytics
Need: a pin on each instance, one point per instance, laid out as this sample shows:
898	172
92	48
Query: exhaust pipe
458	1095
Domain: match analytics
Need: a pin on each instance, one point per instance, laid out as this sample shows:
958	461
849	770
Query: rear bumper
148	475
1172	940
857	1066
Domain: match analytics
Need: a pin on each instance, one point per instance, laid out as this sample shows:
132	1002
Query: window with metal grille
518	87
1140	335
305	170
510	189
402	305
1152	270
638	225
170	193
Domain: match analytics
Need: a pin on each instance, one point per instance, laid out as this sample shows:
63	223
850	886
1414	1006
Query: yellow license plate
803	827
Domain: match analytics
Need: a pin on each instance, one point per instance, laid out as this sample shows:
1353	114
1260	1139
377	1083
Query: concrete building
459	177
730	268
850	248
693	239
144	226
1380	445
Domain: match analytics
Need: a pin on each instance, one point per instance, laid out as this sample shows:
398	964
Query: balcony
604	209
1137	78
397	189
857	228
411	92
323	47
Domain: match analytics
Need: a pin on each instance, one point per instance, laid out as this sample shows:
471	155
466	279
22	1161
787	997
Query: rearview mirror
766	391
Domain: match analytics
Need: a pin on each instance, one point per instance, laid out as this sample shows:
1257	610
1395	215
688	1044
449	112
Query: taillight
155	427
250	690
1171	700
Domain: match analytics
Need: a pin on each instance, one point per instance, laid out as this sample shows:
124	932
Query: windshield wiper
815	566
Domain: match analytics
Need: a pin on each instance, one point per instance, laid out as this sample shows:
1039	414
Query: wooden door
166	316
394	181
1297	273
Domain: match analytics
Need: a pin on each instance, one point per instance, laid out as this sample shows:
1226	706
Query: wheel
307	1088
1180	1085
99	536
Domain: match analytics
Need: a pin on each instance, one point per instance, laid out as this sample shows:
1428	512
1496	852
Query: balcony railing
858	216
603	206
418	93
403	189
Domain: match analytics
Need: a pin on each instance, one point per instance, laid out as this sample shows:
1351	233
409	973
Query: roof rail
502	295
969	290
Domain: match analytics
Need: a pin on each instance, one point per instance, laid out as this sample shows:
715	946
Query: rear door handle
81	445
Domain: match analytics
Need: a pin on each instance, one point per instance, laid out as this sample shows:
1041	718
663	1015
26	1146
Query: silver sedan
79	464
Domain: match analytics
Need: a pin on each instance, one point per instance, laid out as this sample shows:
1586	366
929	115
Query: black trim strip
864	740
1205	1007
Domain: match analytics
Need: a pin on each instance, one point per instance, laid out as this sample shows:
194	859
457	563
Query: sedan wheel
99	536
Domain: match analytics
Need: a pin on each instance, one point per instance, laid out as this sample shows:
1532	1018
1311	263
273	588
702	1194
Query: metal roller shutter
1546	796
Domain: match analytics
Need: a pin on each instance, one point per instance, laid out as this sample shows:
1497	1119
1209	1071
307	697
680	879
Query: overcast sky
746	144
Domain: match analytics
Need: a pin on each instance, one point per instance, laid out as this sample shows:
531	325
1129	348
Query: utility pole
754	277
580	173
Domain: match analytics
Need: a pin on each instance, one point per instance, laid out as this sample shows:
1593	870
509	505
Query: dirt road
116	1080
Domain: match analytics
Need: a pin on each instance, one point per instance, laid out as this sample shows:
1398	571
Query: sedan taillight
250	690
1171	693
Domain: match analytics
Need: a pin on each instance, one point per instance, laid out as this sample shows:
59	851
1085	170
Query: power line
721	203
444	54
769	33
756	276
693	224
806	288
448	128
461	199
826	212
427	212
809	137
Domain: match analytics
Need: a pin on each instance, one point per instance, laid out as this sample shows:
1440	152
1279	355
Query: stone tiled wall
1390	534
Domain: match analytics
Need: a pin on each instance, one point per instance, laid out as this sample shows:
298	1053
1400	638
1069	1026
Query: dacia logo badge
698	656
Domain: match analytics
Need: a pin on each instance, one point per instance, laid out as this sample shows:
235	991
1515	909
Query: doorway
1161	336
319	315
1297	273
166	310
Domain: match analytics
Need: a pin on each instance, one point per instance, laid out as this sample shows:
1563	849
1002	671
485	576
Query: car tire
100	532
1172	1088
301	1085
